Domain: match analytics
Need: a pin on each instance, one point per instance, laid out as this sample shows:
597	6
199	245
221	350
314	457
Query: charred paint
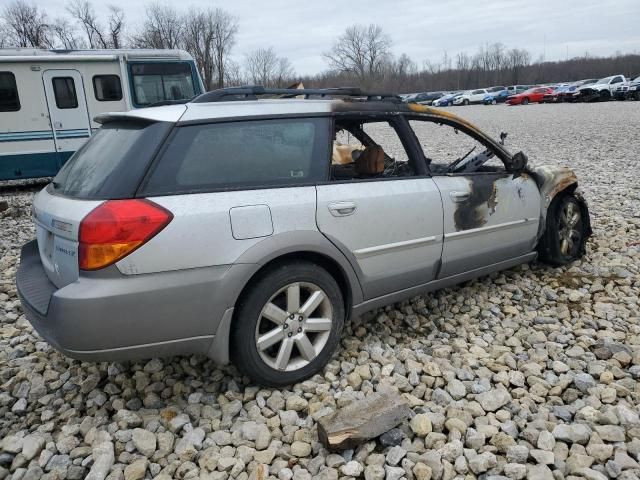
482	202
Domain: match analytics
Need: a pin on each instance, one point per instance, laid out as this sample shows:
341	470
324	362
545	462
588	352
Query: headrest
370	161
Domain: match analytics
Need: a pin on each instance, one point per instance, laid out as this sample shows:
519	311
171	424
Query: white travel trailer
48	98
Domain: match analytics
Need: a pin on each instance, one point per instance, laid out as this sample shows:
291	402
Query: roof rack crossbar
255	91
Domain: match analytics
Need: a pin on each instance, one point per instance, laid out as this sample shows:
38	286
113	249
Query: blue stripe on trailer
31	165
43	135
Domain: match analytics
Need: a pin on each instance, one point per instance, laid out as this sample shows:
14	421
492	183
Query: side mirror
519	162
503	137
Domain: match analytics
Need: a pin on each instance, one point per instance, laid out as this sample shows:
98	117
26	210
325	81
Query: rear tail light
116	228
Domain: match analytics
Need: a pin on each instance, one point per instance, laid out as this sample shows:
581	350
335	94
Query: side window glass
107	88
451	151
9	101
242	154
365	150
64	91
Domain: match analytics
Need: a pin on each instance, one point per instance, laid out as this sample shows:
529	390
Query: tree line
361	56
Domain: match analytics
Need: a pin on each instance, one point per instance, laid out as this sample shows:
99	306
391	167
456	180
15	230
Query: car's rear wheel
525	101
565	233
288	324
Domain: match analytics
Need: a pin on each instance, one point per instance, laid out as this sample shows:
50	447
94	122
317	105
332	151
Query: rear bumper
112	317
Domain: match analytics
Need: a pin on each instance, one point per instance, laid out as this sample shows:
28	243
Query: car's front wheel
288	324
525	101
565	233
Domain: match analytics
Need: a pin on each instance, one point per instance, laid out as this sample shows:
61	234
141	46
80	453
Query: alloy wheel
294	326
569	231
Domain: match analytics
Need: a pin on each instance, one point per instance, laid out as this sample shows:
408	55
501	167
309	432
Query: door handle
57	125
458	196
342	209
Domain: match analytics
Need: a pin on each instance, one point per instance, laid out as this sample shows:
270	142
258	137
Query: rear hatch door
109	166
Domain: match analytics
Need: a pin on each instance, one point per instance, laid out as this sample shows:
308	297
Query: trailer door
68	112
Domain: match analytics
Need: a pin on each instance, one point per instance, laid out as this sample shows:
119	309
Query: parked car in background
424	98
515	89
445	100
495	98
471	96
622	92
533	95
559	94
602	90
633	93
496	89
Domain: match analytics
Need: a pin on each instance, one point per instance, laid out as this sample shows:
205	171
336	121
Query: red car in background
535	94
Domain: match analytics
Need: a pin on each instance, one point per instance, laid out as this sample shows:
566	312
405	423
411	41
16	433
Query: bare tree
116	26
162	28
199	36
264	67
27	26
65	34
233	73
83	12
362	51
225	29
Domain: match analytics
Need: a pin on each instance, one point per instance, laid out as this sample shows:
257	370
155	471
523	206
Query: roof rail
253	92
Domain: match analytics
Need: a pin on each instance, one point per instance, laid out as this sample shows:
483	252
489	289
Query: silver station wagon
249	224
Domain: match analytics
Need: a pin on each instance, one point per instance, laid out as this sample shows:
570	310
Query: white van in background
48	98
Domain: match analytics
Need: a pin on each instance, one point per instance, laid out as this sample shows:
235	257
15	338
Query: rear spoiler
167	113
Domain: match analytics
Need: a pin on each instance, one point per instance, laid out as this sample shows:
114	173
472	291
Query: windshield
604	80
161	81
112	162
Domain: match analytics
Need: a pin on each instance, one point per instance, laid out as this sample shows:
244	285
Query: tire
494	102
605	95
525	101
266	304
465	102
565	233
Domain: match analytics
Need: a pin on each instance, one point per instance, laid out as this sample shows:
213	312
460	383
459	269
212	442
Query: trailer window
161	81
64	89
107	88
9	101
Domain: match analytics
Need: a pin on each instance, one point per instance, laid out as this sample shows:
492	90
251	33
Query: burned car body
229	226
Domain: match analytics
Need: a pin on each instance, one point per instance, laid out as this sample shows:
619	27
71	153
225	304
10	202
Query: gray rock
575	433
374	472
493	399
395	454
352	469
393	473
144	441
583	382
103	458
391	438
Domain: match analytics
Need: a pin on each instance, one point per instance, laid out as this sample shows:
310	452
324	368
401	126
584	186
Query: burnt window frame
499	151
15	84
95	90
322	150
55	92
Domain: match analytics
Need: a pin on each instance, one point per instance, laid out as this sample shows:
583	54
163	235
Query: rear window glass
9	101
64	89
242	154
107	88
112	162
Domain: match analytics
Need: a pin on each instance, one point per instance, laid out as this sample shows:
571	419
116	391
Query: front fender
552	180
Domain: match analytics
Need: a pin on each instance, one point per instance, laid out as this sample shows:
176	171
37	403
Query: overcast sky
423	29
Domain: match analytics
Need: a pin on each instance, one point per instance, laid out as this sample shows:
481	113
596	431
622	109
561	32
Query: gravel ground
534	372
